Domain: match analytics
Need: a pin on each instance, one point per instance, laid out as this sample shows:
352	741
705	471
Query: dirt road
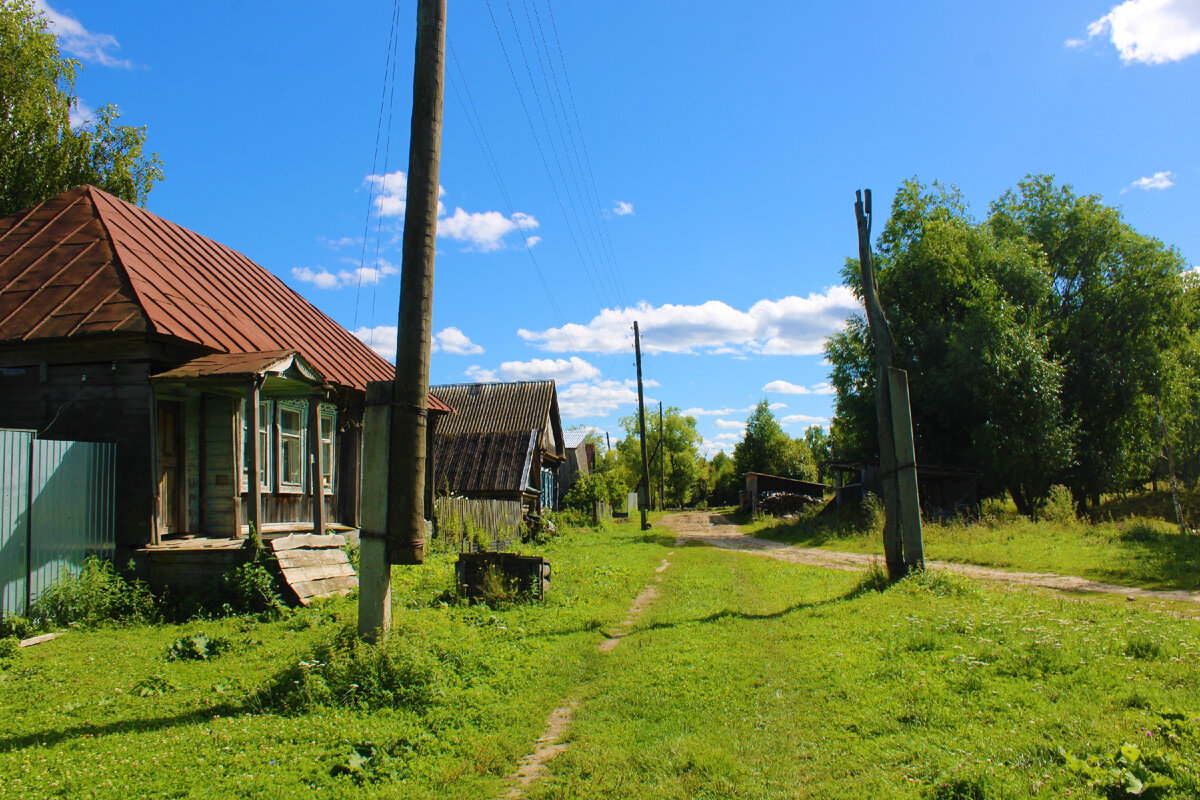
718	531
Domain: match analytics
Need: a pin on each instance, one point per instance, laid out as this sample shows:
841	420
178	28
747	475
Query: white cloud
716	412
78	41
337	244
452	340
783	387
730	424
789	326
1150	31
726	438
561	370
381	339
80	113
485	230
792	419
360	276
622	209
1159	180
595	398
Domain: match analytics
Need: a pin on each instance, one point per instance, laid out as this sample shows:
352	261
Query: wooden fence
478	524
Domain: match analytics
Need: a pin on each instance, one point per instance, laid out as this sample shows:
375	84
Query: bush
1058	507
873	513
98	594
16	627
404	672
251	589
9	647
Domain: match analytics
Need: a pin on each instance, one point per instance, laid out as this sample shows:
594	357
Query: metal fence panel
57	507
15	447
73	515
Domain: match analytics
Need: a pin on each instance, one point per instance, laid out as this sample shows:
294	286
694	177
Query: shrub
1058	507
16	627
98	594
404	672
873	513
9	647
198	647
251	589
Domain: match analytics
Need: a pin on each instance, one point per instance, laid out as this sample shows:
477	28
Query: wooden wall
93	393
222	478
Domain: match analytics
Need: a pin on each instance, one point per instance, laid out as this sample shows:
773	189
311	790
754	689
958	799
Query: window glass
291	446
264	444
327	428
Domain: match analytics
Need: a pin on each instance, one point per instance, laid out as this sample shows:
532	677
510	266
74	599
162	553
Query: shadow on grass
872	582
198	716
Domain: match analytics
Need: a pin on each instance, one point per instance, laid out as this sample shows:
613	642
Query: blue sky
690	165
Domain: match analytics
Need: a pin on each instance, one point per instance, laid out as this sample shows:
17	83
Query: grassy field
746	678
1146	552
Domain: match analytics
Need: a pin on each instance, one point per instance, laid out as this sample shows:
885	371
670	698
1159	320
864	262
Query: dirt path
718	531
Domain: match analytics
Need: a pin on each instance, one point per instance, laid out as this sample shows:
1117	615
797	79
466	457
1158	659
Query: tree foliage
41	154
678	456
766	448
1033	340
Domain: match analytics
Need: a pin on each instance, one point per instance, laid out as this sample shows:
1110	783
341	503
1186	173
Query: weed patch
97	595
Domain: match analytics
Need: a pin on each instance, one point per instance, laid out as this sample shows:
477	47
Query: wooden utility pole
644	494
662	461
404	542
902	544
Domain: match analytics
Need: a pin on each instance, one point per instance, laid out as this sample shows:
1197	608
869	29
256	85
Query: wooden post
644	493
906	470
316	472
253	459
893	545
405	541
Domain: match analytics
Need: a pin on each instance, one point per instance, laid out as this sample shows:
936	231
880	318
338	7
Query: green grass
1147	553
105	711
746	678
756	678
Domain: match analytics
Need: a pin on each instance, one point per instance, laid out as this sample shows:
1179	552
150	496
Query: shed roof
511	407
484	464
86	263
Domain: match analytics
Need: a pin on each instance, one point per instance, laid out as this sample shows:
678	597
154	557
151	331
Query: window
264	445
292	454
328	426
547	490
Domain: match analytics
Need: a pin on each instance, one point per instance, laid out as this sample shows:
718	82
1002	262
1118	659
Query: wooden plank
309	589
45	637
321	572
307	540
291	559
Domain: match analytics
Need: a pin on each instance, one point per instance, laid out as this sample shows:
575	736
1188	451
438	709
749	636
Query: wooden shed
504	441
232	399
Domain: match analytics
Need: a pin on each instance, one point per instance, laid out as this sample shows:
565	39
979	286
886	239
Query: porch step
314	566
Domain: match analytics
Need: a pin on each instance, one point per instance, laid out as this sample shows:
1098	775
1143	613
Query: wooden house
504	441
232	400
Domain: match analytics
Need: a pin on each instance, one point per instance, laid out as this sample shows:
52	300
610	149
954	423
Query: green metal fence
57	507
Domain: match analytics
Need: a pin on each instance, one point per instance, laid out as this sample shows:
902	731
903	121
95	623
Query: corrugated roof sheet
516	406
477	464
86	262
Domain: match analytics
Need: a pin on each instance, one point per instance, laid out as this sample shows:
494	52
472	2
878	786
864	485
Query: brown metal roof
86	262
483	464
241	365
514	407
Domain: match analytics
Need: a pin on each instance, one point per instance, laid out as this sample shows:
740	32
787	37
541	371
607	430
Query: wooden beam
316	473
253	458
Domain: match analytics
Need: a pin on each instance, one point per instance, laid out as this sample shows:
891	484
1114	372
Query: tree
1036	342
820	445
41	154
724	480
678	456
767	449
1116	313
966	311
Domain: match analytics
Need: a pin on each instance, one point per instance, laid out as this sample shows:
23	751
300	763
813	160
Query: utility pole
404	539
902	543
644	494
662	461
